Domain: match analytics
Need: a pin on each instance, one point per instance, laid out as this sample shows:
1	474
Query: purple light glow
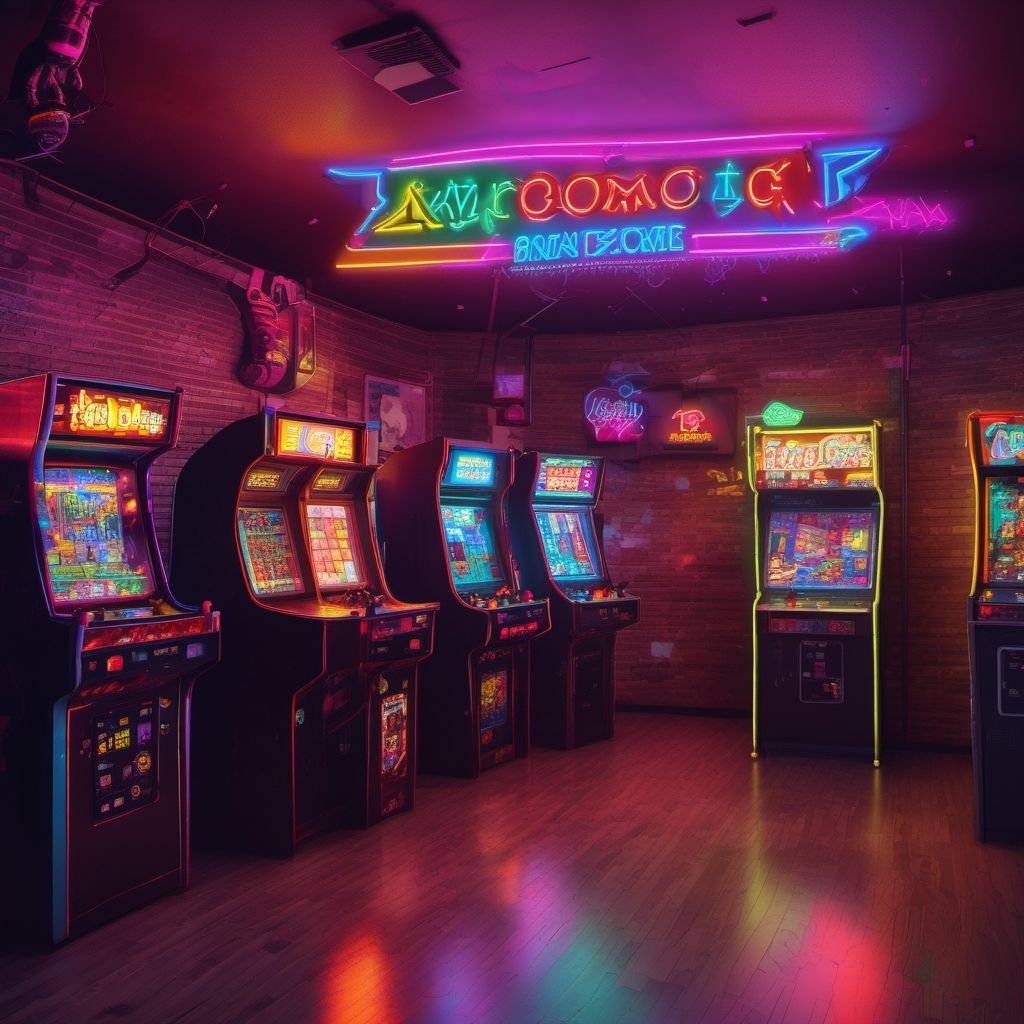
898	213
637	149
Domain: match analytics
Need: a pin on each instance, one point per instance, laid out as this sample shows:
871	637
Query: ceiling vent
402	55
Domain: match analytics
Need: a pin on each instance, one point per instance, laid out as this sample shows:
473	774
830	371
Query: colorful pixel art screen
268	552
333	545
568	542
1004	562
469	535
821	550
569	477
93	535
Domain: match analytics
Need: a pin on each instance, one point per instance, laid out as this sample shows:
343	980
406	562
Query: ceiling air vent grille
402	55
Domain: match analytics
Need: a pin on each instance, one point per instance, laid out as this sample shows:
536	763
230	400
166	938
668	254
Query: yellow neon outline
753	430
377	258
873	428
975	417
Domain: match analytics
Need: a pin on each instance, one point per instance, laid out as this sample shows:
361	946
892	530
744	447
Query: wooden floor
660	877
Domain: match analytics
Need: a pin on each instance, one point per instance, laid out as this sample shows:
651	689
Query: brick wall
166	326
680	528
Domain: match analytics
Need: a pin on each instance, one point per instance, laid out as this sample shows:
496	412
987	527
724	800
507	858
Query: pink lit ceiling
199	93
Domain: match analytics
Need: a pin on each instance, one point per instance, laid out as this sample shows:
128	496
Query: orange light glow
568	200
689	178
628	196
423	255
356	982
544	205
773	199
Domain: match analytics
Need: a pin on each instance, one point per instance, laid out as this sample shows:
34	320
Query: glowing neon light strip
772	142
759	243
425	255
382	200
840	166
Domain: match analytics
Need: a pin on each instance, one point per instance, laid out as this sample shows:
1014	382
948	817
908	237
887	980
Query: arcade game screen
267	549
820	550
469	535
1005	561
92	535
566	476
568	544
333	546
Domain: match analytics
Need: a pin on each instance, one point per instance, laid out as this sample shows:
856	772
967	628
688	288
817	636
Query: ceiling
248	103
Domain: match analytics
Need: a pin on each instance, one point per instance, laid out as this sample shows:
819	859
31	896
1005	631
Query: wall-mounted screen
1004	553
567	538
819	550
268	551
471	468
472	553
93	535
333	546
567	478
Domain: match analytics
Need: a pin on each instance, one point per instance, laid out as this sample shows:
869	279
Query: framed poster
399	411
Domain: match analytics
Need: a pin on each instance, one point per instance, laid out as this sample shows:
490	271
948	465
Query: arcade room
511	513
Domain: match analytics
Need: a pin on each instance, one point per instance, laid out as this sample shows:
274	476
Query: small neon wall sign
583	204
615	414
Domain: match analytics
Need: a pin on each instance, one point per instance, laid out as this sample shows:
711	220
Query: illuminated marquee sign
472	468
815	458
309	439
109	414
559	205
1003	441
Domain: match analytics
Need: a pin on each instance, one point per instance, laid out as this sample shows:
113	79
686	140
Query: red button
115	663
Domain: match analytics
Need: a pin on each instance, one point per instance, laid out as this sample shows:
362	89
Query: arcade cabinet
558	550
441	508
313	726
102	659
818	513
995	619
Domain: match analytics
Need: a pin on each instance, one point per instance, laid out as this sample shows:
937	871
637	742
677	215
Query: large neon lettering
634	240
764	187
690	179
725	196
570	207
628	196
413	213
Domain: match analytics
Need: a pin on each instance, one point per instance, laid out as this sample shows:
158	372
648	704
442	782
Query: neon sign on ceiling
585	204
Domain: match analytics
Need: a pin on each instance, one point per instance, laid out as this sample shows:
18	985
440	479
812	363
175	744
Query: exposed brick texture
166	326
678	528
